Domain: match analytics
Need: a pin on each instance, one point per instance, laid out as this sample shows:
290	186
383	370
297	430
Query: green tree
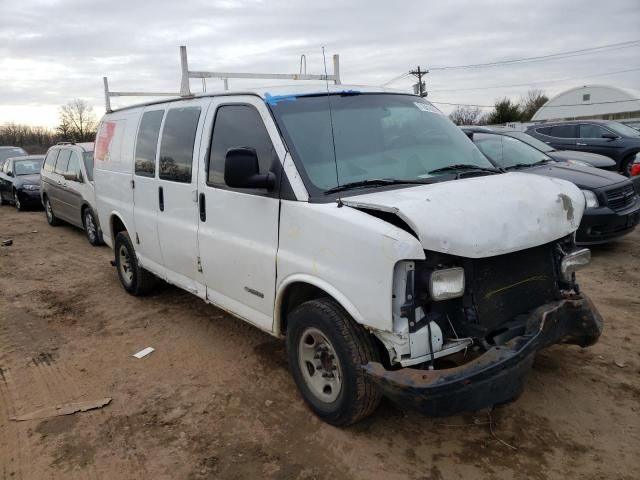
504	111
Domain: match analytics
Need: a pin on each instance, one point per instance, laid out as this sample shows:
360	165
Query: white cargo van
361	225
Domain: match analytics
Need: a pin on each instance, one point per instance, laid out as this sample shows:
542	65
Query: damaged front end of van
469	318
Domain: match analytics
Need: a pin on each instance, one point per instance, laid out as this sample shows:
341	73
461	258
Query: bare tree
531	103
77	121
466	115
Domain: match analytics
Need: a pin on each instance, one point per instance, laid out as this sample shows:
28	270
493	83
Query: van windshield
375	136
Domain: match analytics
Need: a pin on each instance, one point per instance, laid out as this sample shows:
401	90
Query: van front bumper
497	376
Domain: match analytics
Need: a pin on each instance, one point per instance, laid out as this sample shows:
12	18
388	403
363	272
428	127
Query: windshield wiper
464	166
527	165
374	182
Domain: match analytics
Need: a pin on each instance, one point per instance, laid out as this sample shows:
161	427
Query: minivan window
50	161
564	131
87	158
147	143
622	129
63	161
238	126
376	136
507	152
592	131
176	146
11	152
74	165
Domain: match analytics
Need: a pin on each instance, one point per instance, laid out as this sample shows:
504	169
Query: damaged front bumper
498	375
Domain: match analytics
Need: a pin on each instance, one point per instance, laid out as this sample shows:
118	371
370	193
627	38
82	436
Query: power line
537	83
571	53
545	106
418	73
395	79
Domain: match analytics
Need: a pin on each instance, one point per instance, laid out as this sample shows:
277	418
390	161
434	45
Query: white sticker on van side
427	107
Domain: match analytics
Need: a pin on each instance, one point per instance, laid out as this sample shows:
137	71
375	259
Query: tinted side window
564	131
147	143
87	157
74	165
50	161
176	146
592	131
63	161
544	131
238	126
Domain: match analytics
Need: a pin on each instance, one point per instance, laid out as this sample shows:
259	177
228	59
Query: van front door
145	188
177	219
238	234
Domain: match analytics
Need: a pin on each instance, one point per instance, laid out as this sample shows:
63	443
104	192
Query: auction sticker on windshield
427	107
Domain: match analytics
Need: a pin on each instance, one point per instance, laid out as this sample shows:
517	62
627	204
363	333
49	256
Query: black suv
613	139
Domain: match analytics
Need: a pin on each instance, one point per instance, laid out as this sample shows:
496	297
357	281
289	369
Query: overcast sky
52	51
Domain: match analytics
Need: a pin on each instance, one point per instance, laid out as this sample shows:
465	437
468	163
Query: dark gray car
613	139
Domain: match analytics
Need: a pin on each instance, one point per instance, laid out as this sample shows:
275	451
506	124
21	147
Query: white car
361	225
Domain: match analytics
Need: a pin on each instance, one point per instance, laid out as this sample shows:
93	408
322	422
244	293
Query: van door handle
203	208
161	199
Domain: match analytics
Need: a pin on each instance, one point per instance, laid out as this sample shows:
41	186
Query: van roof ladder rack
185	90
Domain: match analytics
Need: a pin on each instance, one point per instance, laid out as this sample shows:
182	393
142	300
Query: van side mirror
610	136
241	170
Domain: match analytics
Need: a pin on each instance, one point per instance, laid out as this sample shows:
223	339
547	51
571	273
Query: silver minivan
67	189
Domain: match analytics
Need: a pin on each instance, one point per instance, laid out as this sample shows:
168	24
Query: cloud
54	51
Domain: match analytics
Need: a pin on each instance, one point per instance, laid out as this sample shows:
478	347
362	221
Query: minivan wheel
16	201
135	279
326	349
91	227
51	218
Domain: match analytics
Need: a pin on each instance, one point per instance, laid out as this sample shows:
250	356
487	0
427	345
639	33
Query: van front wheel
135	279
326	349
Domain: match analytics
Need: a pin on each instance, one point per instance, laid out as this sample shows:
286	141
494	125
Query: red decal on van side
103	142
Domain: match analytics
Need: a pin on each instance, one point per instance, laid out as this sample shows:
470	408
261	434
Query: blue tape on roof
274	99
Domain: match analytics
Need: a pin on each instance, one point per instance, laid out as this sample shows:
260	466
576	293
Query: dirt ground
215	400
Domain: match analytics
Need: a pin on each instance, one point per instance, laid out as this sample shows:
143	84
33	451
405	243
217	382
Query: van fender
326	287
113	215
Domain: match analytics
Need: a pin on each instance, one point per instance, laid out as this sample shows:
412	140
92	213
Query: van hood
483	216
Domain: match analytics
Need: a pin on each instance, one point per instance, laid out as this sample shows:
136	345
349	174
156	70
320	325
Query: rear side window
147	143
63	161
50	160
564	131
544	130
176	146
238	126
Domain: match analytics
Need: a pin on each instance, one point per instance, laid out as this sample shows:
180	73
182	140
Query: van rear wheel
48	210
135	279
326	349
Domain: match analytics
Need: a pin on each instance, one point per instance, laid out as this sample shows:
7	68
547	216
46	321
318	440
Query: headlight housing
574	261
31	186
590	198
446	283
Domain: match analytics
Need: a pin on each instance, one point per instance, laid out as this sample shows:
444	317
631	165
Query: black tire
2	200
91	228
48	211
135	279
16	201
626	165
353	347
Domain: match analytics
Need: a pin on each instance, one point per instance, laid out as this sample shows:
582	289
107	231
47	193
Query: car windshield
11	152
534	142
622	129
508	152
369	137
87	158
27	167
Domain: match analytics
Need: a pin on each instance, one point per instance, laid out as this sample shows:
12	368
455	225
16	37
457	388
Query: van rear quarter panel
114	151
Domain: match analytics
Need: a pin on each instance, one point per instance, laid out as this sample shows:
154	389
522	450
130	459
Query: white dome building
592	101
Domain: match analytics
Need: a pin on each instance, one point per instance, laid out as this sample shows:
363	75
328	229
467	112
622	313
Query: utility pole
420	87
